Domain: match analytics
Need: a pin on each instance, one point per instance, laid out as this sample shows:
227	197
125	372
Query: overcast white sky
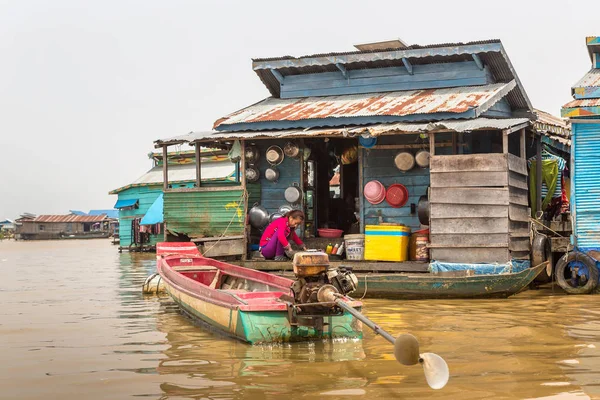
85	87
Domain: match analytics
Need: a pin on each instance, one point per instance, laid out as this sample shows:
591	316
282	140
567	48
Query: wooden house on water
53	227
140	203
449	125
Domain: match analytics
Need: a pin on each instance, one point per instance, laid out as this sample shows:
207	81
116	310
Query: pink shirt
283	231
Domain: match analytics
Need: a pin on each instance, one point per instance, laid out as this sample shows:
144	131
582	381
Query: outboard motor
313	271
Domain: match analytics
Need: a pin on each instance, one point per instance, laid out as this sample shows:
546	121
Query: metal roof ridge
411	47
396	54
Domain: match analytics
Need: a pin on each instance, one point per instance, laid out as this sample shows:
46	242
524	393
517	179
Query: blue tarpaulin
511	267
108	213
154	215
126	203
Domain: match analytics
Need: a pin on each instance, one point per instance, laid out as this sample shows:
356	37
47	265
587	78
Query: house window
69	227
41	227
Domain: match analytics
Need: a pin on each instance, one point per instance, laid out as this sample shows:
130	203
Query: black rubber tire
541	251
563	265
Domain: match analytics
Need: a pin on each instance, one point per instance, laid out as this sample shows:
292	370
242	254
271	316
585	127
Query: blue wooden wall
272	193
379	165
428	76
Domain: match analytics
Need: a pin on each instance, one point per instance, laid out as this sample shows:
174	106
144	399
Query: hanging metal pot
274	155
423	210
252	154
291	150
293	194
252	174
258	216
275	216
284	209
272	174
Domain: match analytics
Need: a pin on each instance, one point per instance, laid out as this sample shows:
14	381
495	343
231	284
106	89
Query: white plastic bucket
355	247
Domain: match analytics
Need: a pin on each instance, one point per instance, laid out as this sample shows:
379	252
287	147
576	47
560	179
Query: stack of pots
374	192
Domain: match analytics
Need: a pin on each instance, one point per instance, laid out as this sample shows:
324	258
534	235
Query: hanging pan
251	154
252	174
291	150
293	194
274	155
272	174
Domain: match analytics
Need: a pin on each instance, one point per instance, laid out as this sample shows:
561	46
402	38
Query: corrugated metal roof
591	79
491	52
187	172
410	102
583	103
183	173
553	127
68	218
411	47
375	129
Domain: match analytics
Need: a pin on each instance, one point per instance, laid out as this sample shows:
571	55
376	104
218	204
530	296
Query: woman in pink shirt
274	242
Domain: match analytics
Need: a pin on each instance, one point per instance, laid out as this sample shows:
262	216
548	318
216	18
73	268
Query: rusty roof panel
468	125
68	218
583	103
591	79
402	103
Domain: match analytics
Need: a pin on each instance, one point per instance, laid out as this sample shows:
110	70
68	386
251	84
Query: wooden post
505	142
454	143
165	170
242	175
431	144
361	200
198	165
538	173
523	144
165	184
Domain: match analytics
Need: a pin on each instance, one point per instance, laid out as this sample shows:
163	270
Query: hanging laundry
550	177
546	155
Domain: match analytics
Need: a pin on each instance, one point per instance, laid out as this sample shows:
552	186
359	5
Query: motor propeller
406	346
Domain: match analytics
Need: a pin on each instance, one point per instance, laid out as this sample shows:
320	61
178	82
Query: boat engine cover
310	263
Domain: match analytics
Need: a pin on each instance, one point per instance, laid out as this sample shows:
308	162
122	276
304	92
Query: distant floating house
140	203
52	227
7	226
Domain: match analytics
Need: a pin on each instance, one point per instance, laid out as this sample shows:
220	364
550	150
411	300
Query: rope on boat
244	195
365	293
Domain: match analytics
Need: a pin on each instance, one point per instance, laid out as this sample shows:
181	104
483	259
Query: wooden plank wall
470	208
429	76
379	164
518	209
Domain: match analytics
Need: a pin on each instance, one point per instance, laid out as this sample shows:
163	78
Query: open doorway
335	184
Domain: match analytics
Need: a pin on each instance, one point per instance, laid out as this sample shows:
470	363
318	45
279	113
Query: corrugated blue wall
379	165
585	187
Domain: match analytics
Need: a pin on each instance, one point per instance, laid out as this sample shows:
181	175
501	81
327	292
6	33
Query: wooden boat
254	306
441	286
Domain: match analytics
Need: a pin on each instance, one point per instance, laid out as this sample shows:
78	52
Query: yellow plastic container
386	243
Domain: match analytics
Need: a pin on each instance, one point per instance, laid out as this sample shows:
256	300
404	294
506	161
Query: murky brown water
74	325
